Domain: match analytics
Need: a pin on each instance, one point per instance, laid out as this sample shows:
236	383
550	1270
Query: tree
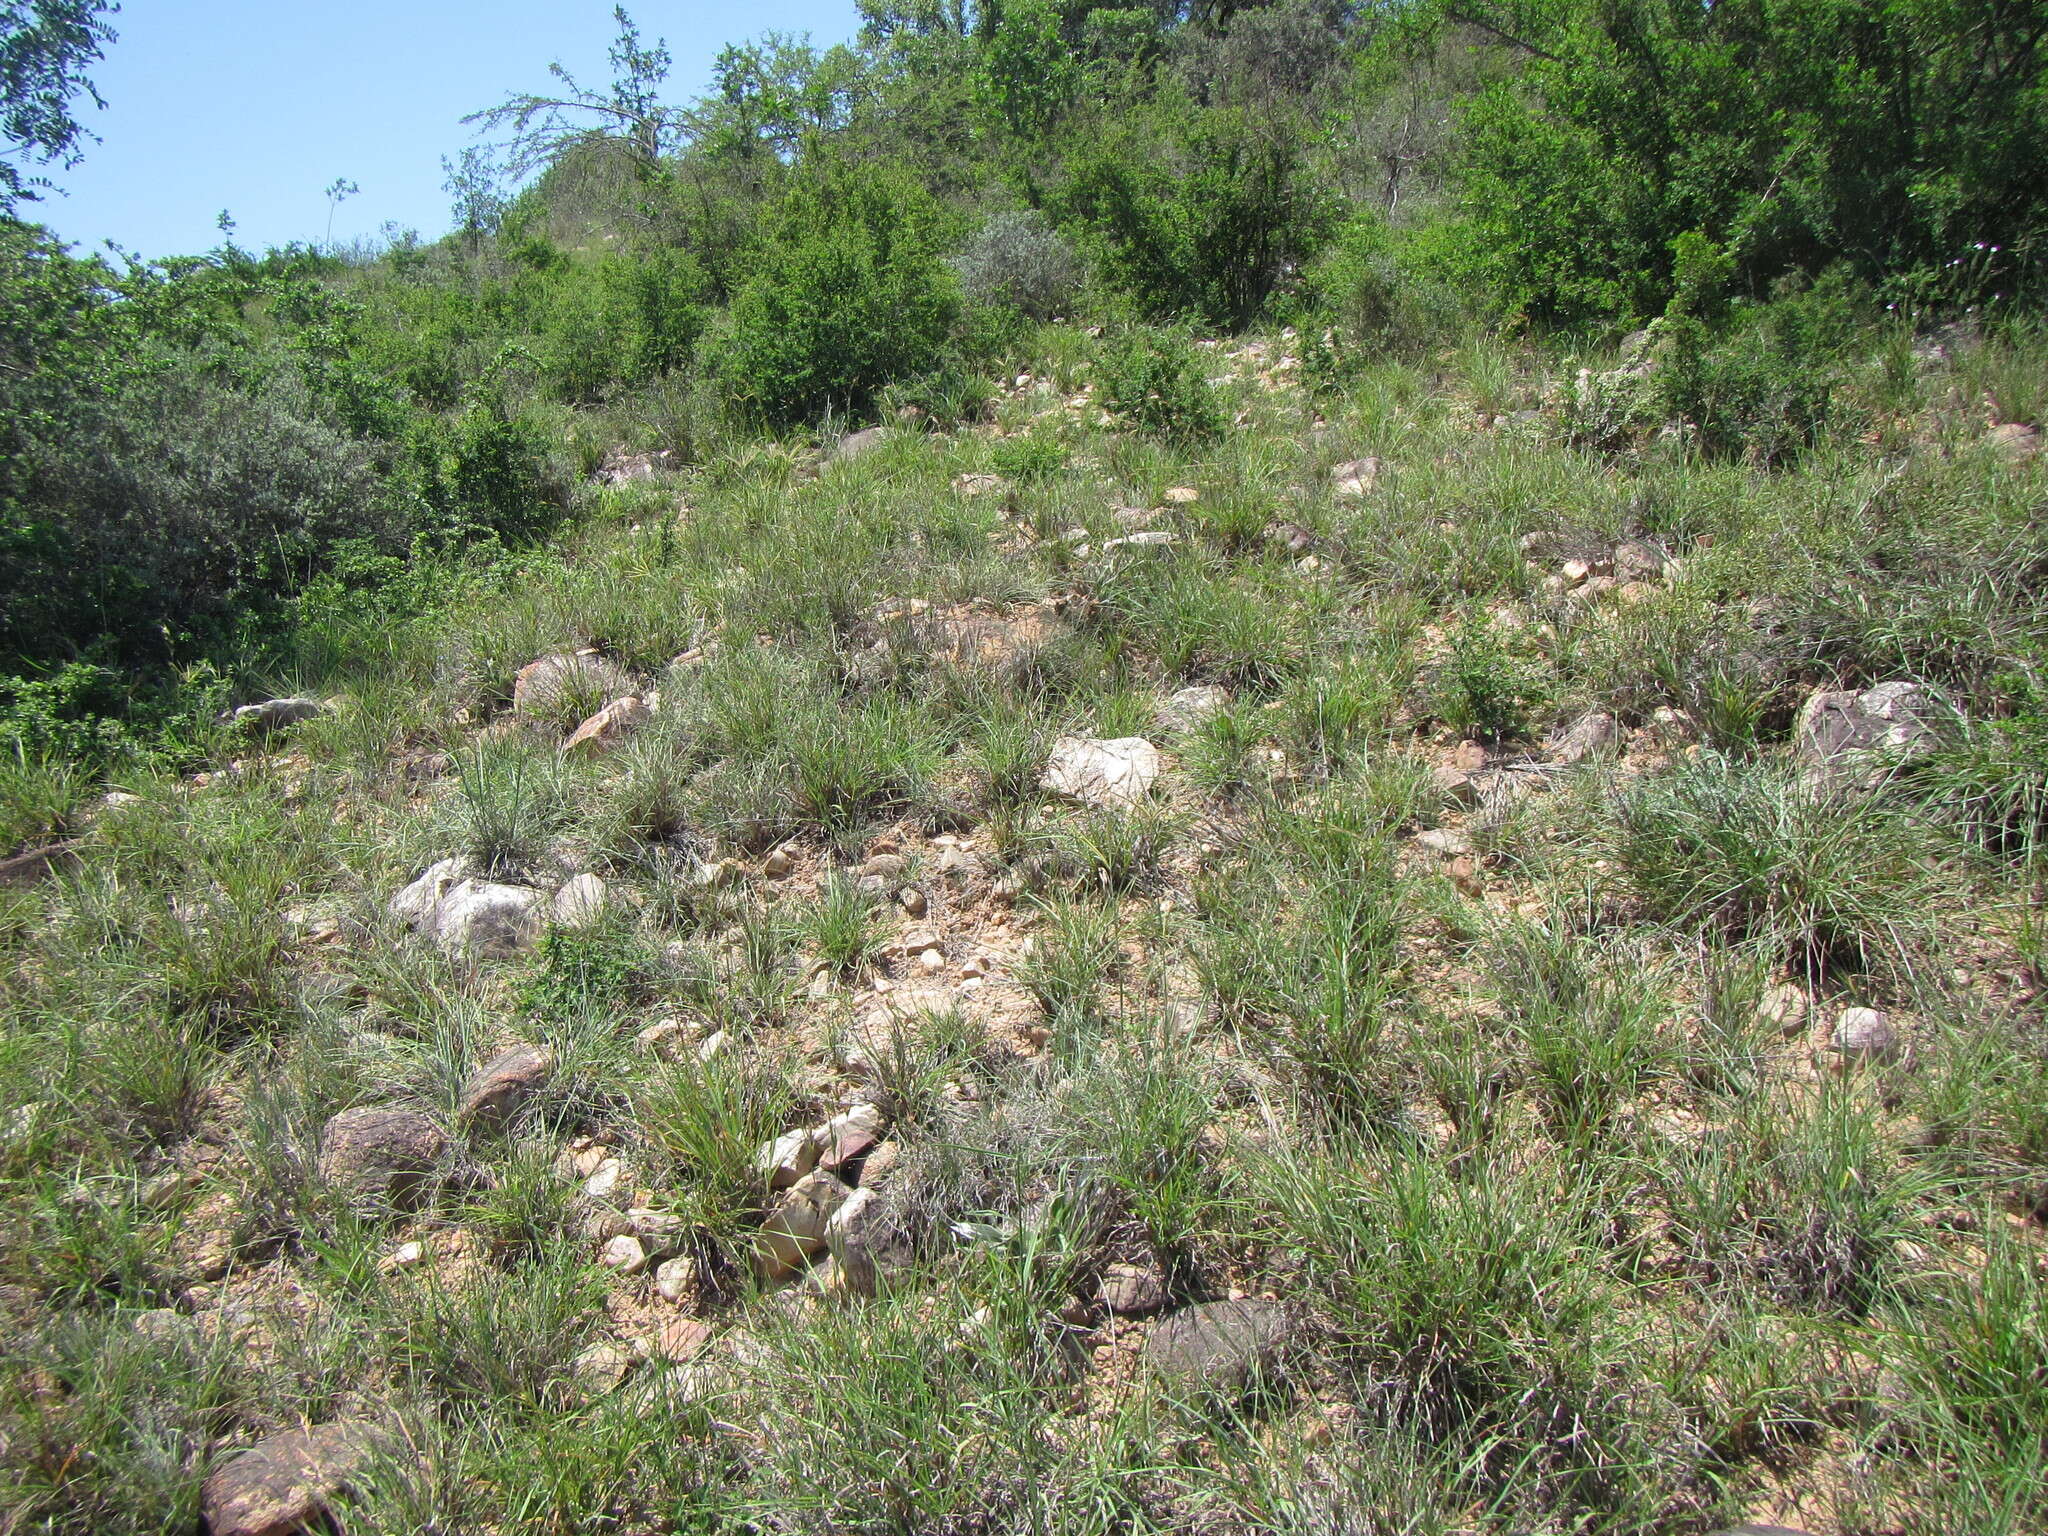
339	191
1028	75
1895	138
767	96
45	46
631	113
478	205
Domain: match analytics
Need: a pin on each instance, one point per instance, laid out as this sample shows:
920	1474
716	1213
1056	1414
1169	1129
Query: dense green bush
1381	285
183	446
173	508
1764	392
848	295
1153	380
484	473
1897	138
1204	225
621	321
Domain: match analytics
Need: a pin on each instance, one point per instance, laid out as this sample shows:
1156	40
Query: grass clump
509	804
1750	850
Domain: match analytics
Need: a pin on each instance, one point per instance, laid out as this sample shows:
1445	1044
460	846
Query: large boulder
1220	1349
274	714
552	684
498	1089
609	726
1846	740
380	1156
466	915
1114	774
284	1484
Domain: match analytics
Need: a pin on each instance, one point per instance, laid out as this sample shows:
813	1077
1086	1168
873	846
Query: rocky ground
1444	965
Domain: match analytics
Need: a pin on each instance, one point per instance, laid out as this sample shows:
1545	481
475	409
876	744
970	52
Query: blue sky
256	106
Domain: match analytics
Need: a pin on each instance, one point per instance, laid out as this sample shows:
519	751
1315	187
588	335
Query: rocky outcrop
1190	708
284	1485
548	686
466	915
1593	734
1847	740
498	1089
609	727
1109	774
380	1156
798	1225
581	902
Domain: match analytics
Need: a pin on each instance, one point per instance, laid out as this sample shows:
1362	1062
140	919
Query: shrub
706	1123
1797	135
1482	685
36	795
1369	284
580	968
954	393
176	507
504	1337
1766	390
1153	380
509	803
843	925
63	714
118	1443
1019	260
848	296
484	474
1991	776
1805	1207
1030	457
1206	224
623	321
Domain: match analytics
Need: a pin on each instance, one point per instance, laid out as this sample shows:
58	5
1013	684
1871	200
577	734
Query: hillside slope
1444	961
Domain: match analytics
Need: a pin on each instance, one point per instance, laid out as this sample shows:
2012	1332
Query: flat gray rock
1113	775
1218	1348
1590	735
854	444
489	920
1846	740
1190	707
